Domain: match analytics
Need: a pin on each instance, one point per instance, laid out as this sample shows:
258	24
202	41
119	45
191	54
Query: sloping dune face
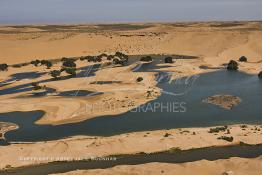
209	40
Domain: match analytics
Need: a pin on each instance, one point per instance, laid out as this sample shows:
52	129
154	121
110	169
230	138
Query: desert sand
213	44
82	147
6	127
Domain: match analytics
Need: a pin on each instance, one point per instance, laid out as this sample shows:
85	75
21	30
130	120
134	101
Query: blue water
108	11
190	111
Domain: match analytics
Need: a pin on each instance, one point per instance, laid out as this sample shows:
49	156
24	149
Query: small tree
49	64
98	59
260	75
117	61
3	67
55	73
146	59
71	71
232	65
43	62
36	86
122	56
168	60
110	57
139	79
82	58
90	58
243	59
35	62
69	63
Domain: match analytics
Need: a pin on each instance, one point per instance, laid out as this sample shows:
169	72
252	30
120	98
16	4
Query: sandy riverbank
81	147
6	127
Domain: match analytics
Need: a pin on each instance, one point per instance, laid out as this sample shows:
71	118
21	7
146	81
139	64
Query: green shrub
260	75
122	56
55	73
48	64
232	65
36	86
167	135
35	62
69	63
175	150
229	139
139	79
3	67
218	129
243	126
146	59
71	71
117	61
168	60
110	57
243	59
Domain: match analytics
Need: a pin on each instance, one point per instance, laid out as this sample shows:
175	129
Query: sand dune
213	44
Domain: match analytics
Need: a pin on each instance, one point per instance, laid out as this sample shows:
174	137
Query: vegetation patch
226	138
175	150
3	67
218	129
232	65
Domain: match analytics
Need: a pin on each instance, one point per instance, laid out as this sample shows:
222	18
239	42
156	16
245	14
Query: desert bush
119	54
122	56
243	126
117	61
43	62
98	59
64	59
167	135
69	63
168	60
175	150
218	129
260	75
110	57
36	86
90	59
17	66
146	59
55	73
82	58
229	139
139	79
35	62
243	59
71	71
232	65
48	64
103	55
3	67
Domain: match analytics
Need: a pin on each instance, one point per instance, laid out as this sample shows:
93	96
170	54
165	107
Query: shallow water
185	110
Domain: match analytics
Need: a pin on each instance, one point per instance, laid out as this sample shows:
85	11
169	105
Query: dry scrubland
213	45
